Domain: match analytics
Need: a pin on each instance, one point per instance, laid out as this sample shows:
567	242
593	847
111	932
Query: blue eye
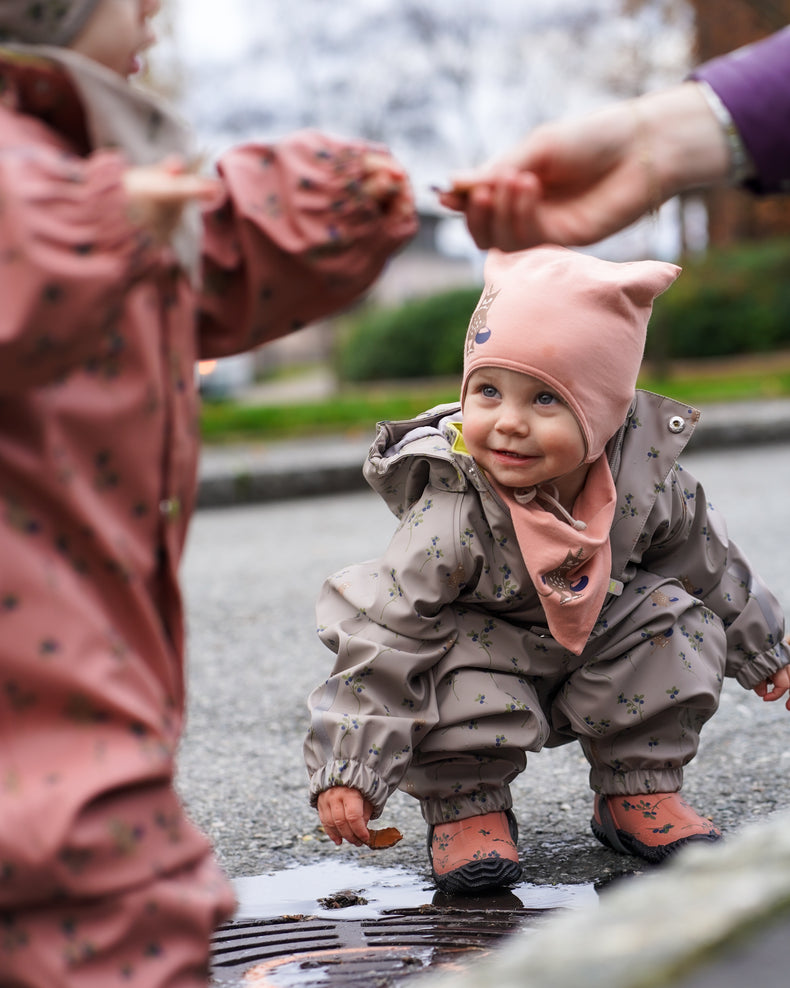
488	391
546	398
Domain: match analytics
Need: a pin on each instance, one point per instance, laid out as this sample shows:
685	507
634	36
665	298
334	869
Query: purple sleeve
754	84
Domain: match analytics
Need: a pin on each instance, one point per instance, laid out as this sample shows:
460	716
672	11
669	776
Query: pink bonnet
572	320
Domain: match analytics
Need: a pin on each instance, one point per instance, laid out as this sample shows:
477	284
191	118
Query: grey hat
43	22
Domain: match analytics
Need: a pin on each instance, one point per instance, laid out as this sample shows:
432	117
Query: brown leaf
388	837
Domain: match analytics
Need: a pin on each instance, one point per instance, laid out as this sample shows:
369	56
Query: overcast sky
205	35
478	66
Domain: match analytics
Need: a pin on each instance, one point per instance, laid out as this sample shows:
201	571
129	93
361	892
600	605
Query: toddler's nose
512	421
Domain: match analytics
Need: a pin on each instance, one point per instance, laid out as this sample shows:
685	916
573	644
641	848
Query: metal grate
309	951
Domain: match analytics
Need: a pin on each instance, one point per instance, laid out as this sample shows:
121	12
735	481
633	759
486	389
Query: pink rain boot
475	854
650	826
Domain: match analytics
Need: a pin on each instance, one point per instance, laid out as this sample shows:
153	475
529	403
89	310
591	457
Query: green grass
357	409
354	411
708	390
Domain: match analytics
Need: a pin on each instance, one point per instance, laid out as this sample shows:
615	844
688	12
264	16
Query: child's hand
345	813
500	206
158	193
774	687
386	181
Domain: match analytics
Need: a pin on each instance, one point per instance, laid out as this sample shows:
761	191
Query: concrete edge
257	486
717	435
247	483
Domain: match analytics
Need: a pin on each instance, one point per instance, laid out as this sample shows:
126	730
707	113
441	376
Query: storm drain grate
309	951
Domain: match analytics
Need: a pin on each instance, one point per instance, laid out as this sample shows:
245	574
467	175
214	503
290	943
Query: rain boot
651	825
475	854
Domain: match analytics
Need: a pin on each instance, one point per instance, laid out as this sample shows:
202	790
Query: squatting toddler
556	576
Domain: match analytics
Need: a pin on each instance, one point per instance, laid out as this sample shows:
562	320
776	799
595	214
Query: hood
406	456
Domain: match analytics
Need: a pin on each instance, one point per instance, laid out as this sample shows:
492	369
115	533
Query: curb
747	424
252	473
256	486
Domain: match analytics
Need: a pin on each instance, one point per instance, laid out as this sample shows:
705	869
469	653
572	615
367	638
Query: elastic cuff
436	810
763	666
611	782
354	775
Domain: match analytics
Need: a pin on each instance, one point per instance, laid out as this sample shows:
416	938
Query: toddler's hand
387	182
774	687
499	206
158	193
345	813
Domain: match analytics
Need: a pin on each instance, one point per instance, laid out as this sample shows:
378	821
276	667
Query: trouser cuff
610	782
436	810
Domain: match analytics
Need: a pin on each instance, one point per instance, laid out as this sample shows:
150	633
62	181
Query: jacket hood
408	455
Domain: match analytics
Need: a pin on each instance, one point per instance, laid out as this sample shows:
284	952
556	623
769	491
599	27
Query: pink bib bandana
569	566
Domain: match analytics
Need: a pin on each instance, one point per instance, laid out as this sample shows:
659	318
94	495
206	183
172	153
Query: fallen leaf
388	837
341	900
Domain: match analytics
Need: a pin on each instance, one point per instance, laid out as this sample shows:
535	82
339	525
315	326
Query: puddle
341	924
299	891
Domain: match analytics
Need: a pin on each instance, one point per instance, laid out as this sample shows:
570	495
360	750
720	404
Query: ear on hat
642	281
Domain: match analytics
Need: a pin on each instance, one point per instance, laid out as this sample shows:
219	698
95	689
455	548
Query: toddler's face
521	433
117	33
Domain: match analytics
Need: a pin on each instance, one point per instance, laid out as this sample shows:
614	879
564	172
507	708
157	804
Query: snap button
677	423
170	508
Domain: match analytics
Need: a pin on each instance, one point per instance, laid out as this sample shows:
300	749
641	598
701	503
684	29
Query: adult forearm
682	141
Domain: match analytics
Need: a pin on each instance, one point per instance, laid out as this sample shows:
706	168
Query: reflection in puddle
297	891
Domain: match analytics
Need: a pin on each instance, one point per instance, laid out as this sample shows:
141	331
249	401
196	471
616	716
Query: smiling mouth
509	454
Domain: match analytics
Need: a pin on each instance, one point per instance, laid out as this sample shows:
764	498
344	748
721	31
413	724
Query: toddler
112	285
555	576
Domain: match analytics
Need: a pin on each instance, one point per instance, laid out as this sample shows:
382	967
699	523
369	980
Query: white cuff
741	165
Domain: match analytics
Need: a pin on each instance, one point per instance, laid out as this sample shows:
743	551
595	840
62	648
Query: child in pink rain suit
555	576
113	284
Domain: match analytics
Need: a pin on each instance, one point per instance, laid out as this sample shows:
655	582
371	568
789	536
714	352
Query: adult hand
344	814
574	182
158	193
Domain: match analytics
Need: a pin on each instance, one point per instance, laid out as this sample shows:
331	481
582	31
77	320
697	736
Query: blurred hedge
731	301
422	338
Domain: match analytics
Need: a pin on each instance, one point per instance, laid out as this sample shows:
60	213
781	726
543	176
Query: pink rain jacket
99	334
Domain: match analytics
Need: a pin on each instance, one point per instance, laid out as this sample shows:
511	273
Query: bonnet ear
642	281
